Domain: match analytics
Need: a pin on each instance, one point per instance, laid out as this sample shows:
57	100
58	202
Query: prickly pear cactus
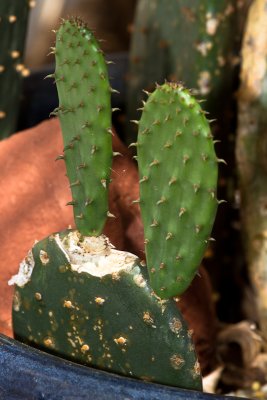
85	117
196	42
13	27
80	298
75	295
178	179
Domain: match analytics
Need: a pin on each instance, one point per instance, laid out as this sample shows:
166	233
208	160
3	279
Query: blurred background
111	20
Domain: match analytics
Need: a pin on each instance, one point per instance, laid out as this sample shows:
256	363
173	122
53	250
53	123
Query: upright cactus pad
13	27
178	178
85	117
81	299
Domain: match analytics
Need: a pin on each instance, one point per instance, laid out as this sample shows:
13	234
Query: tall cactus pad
13	27
178	179
82	299
85	116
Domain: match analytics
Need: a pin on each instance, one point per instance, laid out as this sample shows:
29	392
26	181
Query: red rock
34	193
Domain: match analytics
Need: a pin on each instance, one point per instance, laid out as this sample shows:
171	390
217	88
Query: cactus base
80	298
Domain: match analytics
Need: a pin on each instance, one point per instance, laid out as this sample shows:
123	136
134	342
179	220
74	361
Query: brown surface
34	193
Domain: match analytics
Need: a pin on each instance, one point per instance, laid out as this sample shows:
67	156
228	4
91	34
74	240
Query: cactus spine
13	27
85	117
251	151
75	295
178	169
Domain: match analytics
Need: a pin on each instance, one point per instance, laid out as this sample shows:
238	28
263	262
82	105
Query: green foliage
13	27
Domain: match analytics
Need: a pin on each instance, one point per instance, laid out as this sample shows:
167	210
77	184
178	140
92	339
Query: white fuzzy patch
94	255
25	271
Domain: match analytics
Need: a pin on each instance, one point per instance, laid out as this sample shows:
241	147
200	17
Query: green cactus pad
178	179
13	28
69	304
85	117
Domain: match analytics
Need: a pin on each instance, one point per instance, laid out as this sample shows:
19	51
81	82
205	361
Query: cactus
251	152
85	117
13	27
178	169
103	314
196	43
75	295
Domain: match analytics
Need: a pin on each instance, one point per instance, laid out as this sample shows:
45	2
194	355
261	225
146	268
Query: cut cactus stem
178	169
90	303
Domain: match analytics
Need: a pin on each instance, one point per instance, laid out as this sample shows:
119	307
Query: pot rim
30	373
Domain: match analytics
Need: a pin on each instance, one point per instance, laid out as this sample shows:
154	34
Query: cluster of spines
85	115
178	181
13	26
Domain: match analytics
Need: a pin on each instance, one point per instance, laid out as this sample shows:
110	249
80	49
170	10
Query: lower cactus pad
79	298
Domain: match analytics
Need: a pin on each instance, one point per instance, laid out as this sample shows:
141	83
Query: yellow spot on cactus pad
12	19
175	325
212	24
85	348
2	114
147	318
68	304
120	341
44	257
15	54
177	361
99	300
38	296
49	342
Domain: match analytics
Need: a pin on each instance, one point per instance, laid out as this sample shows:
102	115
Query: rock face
34	194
